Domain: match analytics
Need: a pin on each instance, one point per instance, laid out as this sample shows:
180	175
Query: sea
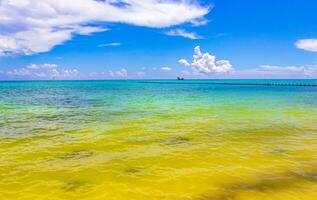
158	139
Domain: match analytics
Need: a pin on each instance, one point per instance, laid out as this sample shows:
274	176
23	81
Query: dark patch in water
74	155
134	170
174	141
279	151
44	129
75	185
68	101
272	183
139	141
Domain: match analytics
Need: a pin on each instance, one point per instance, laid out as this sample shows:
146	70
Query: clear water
132	140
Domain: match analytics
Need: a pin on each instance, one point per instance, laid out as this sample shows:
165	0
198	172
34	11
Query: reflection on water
128	140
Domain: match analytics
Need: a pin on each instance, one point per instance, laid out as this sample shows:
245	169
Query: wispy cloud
282	68
122	73
307	44
275	71
42	71
296	70
166	68
140	74
199	22
64	73
41	66
110	44
31	26
183	33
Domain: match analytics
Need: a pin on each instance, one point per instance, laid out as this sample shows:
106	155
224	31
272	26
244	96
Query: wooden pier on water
223	83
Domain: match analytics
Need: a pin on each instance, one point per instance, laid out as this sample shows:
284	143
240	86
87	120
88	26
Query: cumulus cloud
307	44
183	33
204	63
32	26
123	73
166	68
184	62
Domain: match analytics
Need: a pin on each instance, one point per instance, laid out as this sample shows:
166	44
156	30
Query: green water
133	140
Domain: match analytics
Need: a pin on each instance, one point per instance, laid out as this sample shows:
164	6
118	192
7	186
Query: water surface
133	140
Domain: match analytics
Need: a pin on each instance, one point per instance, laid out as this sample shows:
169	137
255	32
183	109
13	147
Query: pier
225	83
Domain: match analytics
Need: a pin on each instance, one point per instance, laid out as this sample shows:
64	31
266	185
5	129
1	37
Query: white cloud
204	63
307	44
41	66
183	33
32	26
64	73
123	73
101	74
110	44
140	74
42	71
290	70
49	74
282	68
166	68
20	72
32	41
274	71
184	62
199	22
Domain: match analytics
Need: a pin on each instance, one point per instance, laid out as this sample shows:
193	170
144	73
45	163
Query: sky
157	39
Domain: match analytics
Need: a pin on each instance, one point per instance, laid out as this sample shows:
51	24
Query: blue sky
130	39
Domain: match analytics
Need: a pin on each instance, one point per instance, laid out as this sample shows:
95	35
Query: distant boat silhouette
180	78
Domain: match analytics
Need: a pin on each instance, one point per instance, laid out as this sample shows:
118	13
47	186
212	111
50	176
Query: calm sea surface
132	140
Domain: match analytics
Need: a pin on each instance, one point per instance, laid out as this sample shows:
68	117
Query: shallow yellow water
155	150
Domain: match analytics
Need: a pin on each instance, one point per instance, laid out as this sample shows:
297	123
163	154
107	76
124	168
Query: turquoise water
113	139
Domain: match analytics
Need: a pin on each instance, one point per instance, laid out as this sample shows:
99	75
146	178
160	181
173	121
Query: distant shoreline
145	80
